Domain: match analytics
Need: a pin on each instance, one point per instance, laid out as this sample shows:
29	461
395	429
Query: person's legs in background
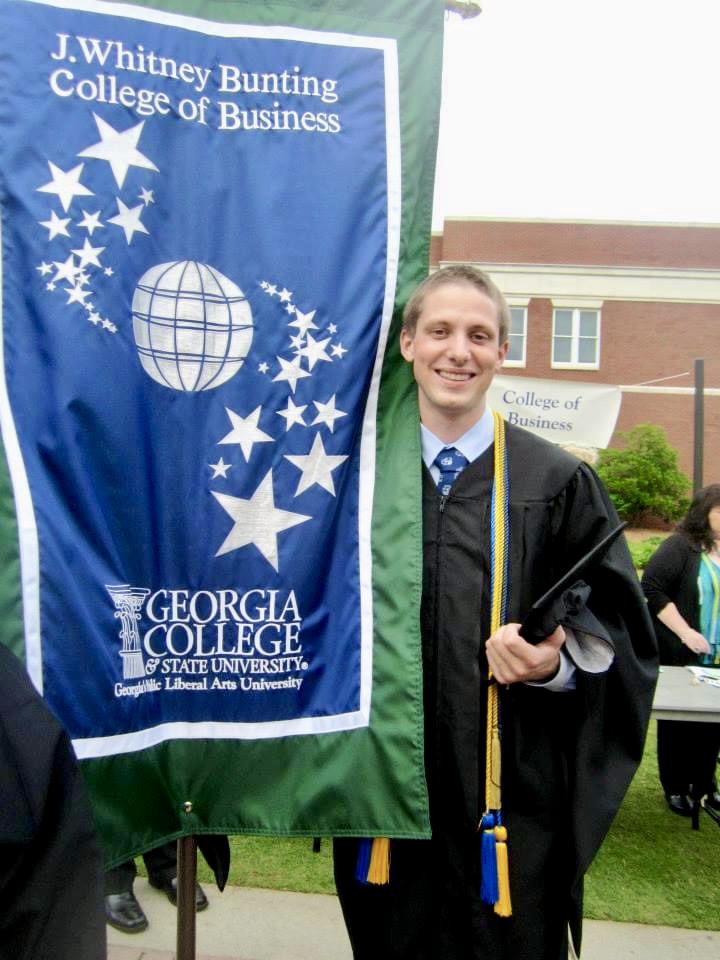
673	738
122	909
161	864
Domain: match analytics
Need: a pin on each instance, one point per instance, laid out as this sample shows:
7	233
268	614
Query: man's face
455	353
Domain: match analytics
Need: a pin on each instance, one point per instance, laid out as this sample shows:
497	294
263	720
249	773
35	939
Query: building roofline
588	221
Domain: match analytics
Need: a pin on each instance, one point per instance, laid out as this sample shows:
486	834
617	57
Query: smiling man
571	738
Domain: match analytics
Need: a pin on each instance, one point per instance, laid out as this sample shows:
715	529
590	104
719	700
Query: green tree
643	478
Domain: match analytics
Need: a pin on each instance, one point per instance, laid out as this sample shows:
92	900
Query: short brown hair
457	273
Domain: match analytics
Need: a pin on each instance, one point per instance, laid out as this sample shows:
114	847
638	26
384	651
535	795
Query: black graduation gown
51	872
568	757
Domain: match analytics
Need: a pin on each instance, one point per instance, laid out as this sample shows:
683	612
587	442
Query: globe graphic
192	325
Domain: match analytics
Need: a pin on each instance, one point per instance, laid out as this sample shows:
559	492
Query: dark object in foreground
51	871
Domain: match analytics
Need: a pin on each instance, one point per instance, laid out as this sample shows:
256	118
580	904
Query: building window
517	337
576	338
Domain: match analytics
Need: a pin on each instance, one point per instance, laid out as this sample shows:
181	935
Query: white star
285	295
220	469
245	431
94	317
293	414
77	295
317	467
271	289
332	328
290	371
119	149
56	226
338	350
304	321
89	254
90	221
66	184
146	196
327	413
296	341
128	219
44	269
66	271
314	350
263	367
108	271
257	521
50	286
263	284
290	308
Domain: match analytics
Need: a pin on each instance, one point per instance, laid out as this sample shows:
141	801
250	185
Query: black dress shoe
169	888
712	800
679	804
123	912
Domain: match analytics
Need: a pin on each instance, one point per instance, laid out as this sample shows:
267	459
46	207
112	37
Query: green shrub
643	479
642	550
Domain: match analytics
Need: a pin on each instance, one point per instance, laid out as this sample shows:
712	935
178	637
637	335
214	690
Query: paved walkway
247	924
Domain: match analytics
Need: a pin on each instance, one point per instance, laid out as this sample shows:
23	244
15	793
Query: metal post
699	425
186	880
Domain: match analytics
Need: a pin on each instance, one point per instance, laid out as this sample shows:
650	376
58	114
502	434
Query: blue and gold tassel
373	862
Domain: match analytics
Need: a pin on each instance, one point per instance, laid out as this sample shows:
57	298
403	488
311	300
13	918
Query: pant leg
703	755
120	879
674	738
161	862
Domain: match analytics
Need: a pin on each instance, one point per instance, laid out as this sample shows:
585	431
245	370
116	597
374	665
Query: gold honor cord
495	881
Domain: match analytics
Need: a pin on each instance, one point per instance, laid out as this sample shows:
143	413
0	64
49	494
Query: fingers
696	642
513	660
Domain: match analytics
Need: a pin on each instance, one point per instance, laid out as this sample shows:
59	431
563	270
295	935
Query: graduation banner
563	411
209	212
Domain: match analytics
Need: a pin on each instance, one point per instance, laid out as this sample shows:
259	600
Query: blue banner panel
191	367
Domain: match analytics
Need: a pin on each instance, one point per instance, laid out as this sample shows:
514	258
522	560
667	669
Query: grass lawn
652	868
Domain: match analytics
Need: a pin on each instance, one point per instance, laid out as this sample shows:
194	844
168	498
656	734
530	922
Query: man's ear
407	346
502	353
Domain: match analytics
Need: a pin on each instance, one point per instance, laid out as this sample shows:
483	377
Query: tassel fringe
503	906
489	892
373	863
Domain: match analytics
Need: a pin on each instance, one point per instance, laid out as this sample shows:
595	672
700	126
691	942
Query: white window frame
576	307
516	304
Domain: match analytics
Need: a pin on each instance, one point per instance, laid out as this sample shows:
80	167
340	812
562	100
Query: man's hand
514	660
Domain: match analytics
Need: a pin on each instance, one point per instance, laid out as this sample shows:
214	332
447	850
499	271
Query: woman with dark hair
682	586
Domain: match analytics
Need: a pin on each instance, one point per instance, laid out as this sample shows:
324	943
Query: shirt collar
471	444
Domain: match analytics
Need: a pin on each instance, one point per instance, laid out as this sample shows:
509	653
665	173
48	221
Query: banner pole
186	880
699	432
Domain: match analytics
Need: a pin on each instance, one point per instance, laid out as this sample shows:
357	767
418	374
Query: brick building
628	304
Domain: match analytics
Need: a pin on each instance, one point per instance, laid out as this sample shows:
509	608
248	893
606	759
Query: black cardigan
671	577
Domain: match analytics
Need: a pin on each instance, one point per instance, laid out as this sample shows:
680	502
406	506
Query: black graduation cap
566	598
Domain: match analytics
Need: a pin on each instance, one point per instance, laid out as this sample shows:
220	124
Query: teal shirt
709	594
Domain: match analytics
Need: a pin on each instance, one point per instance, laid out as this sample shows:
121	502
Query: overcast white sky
582	109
